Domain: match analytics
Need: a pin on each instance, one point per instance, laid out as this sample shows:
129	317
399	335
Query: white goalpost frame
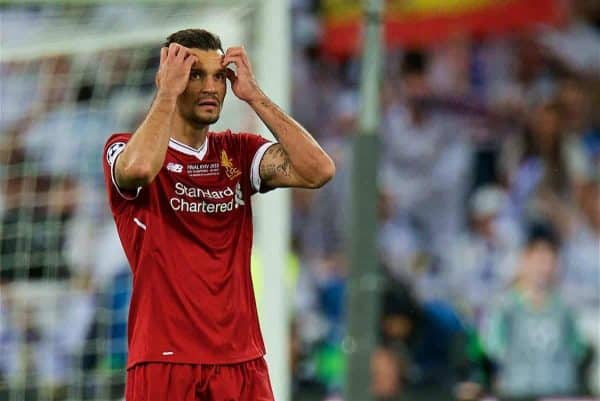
270	54
272	240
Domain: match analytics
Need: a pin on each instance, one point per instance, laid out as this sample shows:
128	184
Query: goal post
273	224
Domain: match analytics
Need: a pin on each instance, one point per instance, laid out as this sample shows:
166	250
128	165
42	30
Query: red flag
425	22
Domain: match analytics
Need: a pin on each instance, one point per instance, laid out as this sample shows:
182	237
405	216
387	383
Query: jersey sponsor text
181	204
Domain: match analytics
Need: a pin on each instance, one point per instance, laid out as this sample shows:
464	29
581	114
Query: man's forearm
306	156
145	152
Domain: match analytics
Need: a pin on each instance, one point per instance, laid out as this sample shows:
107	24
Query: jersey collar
188	150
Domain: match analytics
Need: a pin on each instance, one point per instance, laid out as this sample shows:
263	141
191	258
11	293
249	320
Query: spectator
324	227
531	332
581	279
482	259
576	43
424	156
578	106
400	245
419	345
541	167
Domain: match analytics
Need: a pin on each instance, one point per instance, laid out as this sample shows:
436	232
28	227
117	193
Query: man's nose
210	85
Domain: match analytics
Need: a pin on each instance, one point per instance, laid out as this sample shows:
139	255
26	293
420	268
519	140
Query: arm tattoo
280	115
276	162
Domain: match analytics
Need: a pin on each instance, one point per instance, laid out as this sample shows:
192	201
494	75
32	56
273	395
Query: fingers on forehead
235	50
190	60
236	60
177	48
232	57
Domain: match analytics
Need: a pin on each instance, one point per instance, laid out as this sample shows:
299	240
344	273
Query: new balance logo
175	167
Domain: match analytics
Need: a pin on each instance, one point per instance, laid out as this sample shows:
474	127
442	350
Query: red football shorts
246	381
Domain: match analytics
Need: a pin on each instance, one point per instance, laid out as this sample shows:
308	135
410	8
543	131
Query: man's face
202	100
415	88
540	263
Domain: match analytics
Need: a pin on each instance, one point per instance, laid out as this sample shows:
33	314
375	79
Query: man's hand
297	160
243	83
144	154
174	71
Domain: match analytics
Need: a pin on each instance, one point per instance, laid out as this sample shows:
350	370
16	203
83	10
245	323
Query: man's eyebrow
202	70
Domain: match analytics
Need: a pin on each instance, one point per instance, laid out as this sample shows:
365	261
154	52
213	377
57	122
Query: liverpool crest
231	171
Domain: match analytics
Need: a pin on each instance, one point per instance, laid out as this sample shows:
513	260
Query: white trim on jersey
139	223
255	180
114	158
188	150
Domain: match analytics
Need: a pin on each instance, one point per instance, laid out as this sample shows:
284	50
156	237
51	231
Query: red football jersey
188	237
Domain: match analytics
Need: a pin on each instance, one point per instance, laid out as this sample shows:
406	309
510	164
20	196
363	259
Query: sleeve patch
113	151
255	179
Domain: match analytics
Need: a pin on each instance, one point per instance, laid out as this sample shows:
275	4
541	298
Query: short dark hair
414	61
195	38
542	231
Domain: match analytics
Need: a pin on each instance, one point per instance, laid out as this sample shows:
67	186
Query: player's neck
188	134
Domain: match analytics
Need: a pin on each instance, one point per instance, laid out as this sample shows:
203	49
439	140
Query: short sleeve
254	147
112	150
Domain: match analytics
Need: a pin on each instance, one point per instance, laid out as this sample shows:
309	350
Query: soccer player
180	197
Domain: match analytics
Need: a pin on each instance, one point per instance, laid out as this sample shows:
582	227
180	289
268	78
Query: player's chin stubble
203	120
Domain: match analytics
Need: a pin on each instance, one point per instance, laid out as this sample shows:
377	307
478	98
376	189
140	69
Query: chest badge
230	170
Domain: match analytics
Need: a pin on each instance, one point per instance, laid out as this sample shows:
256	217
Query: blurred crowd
489	215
